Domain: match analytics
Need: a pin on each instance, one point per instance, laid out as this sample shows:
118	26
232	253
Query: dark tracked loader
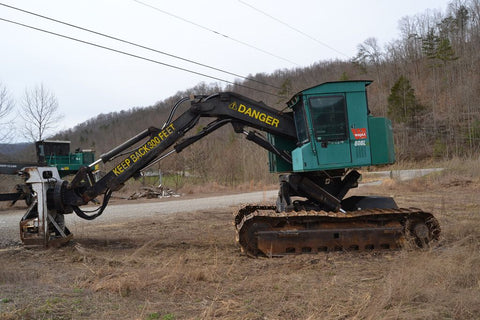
316	146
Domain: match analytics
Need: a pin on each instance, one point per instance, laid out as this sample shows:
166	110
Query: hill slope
427	84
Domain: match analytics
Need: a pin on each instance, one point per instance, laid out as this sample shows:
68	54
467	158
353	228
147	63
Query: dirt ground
188	266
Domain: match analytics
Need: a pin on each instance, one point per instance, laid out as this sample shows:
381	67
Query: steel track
262	231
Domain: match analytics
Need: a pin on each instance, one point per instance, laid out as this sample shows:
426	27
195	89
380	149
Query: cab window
300	123
329	117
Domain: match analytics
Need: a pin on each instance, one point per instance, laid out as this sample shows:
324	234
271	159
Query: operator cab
335	130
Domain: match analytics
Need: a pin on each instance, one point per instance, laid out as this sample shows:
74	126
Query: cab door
330	129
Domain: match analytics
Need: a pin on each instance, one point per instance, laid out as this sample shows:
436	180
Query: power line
134	56
137	45
293	28
216	32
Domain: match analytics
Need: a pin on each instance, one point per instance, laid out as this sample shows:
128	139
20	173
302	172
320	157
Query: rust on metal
262	231
31	235
42	226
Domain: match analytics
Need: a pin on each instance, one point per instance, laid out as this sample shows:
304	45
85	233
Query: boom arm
335	135
226	107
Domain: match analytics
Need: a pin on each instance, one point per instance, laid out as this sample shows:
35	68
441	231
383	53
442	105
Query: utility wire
137	45
216	32
135	56
293	28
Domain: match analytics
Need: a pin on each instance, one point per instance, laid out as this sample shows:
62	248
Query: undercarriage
311	216
261	231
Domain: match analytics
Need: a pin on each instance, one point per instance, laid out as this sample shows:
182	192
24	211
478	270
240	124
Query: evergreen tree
430	44
344	76
445	51
402	103
285	91
437	47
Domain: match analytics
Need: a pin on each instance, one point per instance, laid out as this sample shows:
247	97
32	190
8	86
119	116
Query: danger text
252	113
143	150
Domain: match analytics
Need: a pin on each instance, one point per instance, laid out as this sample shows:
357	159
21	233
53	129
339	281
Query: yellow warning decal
143	150
252	113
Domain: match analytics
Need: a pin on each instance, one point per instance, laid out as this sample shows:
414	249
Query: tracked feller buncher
316	145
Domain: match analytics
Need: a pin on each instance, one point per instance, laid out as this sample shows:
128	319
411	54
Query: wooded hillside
427	82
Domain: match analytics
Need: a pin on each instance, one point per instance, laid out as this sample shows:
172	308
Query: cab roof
331	87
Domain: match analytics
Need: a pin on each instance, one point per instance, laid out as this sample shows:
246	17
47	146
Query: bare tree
369	52
6	107
40	113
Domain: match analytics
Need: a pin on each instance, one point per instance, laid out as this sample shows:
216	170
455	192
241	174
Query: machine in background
51	153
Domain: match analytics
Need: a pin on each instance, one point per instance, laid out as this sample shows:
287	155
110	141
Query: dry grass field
187	266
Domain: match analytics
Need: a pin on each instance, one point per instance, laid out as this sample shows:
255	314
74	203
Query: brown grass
187	266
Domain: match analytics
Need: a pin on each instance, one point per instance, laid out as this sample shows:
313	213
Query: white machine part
41	226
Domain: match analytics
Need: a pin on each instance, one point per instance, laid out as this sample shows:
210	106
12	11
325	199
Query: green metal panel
88	157
71	163
338	87
304	159
382	150
358	128
340	132
347	150
276	163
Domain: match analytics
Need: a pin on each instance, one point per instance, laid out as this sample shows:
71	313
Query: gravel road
9	220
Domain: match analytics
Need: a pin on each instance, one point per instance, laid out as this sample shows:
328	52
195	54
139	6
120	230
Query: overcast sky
88	81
